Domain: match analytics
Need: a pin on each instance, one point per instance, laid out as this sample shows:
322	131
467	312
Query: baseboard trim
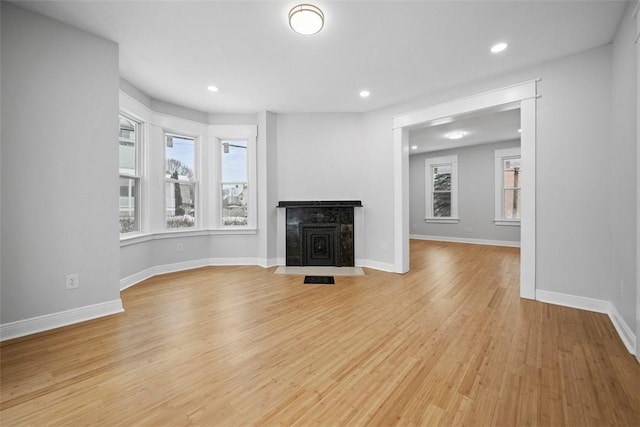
487	242
599	306
47	322
376	265
136	278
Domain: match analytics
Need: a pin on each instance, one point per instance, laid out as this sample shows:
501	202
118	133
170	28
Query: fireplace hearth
320	233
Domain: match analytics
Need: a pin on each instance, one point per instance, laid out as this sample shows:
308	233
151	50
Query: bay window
180	181
129	161
234	185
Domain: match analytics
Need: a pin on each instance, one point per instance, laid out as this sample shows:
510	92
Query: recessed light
212	88
520	130
364	93
414	147
499	47
456	135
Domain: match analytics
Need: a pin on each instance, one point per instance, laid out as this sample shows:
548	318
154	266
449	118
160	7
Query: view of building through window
180	181
511	180
234	183
129	178
441	190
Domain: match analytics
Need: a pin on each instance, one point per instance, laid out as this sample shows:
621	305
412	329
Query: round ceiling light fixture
364	93
306	19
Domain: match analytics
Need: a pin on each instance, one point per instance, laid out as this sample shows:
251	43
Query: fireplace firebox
320	233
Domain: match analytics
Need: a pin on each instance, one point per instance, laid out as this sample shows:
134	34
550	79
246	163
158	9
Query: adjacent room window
180	181
507	182
442	189
129	200
234	182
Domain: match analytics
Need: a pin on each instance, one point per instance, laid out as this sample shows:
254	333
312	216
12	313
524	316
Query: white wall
268	187
476	194
624	74
60	121
327	157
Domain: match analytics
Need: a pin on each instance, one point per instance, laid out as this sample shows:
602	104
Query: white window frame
499	157
195	182
137	176
248	133
429	164
222	183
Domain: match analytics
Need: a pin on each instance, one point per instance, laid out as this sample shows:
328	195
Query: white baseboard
624	331
376	265
135	278
566	300
235	261
599	306
34	325
507	243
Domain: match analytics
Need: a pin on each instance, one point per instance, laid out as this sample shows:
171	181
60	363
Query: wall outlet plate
72	281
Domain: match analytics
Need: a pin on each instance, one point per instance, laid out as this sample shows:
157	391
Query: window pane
512	203
442	178
234	204
441	204
180	158
512	173
234	161
128	205
180	204
128	137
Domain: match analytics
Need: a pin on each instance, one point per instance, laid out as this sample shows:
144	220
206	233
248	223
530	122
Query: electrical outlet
72	281
384	247
180	247
469	230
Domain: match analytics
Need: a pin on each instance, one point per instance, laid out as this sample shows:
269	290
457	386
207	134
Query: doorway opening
522	96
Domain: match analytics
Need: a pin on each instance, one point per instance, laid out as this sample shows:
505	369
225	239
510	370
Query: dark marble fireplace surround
320	233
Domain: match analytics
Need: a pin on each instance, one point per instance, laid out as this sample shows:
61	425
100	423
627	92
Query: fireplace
320	233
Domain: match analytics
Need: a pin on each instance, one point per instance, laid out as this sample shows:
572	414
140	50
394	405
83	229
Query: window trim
137	176
429	163
499	157
198	209
221	183
218	134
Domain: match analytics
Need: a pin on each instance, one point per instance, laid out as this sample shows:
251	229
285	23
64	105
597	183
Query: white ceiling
172	50
479	128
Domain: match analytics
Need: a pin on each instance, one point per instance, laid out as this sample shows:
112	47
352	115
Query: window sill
132	239
233	230
434	220
507	222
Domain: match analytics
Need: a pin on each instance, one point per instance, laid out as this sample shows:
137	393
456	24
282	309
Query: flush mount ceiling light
414	147
499	47
456	135
306	19
212	88
364	93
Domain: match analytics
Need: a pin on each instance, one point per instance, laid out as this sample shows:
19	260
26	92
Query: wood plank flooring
450	343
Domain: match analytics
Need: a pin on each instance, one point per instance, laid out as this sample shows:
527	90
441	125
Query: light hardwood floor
449	343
